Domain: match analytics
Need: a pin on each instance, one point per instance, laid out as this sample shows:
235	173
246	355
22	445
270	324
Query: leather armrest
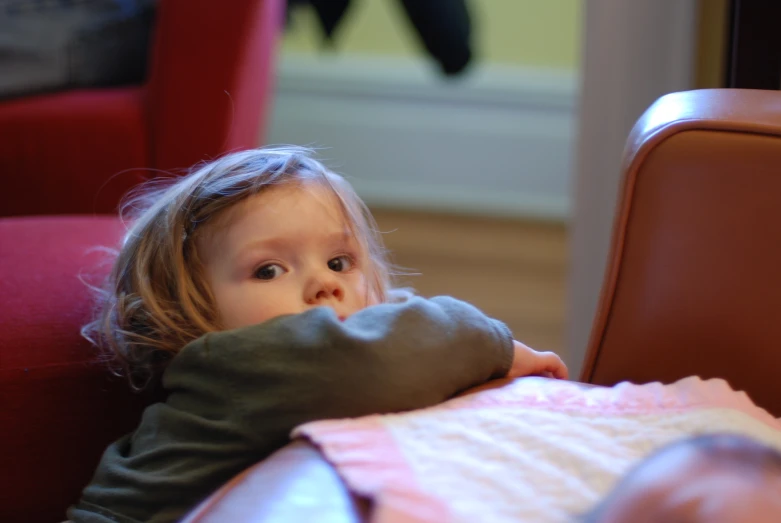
294	484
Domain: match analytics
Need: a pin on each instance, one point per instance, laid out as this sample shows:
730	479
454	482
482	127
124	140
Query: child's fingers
527	361
553	364
561	372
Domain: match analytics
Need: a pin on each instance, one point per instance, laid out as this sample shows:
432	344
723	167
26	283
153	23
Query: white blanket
531	450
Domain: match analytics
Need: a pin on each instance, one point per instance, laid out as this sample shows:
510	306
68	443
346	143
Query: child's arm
310	366
386	358
236	395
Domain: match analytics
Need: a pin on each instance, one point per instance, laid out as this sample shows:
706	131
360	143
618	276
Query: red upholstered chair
207	93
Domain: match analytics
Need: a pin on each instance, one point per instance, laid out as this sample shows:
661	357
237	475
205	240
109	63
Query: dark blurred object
329	12
66	44
210	74
444	27
754	45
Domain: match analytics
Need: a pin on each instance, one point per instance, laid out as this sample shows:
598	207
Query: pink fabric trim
367	457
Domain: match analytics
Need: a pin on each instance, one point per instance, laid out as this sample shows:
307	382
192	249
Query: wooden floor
515	271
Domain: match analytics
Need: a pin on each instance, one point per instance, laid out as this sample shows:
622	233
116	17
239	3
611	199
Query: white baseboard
498	142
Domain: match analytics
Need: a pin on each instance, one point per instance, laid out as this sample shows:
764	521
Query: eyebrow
277	243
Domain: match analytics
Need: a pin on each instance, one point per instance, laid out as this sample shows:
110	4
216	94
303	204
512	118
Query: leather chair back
693	283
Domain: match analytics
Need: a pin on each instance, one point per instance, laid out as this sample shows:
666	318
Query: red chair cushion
69	152
59	406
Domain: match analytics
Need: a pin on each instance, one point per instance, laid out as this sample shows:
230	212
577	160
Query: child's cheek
371	295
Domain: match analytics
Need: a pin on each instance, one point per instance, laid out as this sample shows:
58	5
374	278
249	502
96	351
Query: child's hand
528	362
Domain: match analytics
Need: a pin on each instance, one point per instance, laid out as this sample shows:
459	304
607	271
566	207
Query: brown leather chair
693	283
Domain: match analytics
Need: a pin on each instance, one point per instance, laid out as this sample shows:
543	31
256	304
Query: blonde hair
157	299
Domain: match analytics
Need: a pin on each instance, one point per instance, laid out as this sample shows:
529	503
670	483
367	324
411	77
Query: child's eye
340	263
270	271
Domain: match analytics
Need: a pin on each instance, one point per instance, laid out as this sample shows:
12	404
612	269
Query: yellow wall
712	35
510	32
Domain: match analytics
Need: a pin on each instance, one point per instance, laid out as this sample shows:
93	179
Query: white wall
497	142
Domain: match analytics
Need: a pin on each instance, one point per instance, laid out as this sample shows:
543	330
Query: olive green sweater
234	396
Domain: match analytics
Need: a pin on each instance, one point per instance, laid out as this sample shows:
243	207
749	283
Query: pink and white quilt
532	450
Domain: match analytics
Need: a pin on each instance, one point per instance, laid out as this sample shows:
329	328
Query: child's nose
324	287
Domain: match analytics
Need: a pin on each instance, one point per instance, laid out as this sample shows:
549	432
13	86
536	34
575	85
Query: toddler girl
257	289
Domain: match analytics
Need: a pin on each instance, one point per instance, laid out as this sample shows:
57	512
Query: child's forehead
284	209
310	201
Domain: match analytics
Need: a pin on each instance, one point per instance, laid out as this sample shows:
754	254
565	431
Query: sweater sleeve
235	396
387	358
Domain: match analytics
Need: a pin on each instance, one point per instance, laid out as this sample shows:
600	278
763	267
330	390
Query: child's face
683	485
283	251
